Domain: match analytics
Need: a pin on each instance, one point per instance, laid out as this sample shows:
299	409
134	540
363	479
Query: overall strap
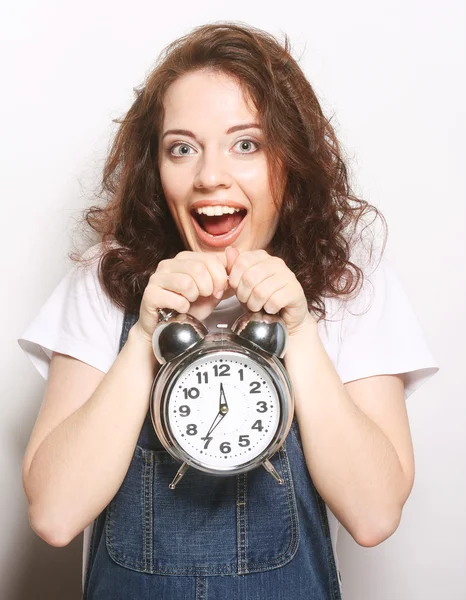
128	321
147	438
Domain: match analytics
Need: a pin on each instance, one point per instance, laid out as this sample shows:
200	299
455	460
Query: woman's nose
212	172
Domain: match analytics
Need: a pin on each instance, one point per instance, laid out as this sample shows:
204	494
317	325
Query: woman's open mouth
218	225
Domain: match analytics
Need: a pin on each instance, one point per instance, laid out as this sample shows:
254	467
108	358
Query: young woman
225	190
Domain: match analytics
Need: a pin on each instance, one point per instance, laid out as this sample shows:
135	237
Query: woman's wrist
301	341
306	328
138	337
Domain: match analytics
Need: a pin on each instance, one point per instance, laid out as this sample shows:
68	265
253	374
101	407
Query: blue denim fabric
212	538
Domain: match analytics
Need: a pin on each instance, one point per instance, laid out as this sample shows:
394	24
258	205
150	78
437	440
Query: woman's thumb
231	255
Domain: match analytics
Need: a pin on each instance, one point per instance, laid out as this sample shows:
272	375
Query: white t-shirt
375	333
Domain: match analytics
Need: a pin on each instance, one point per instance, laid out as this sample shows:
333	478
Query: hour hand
222	411
223	408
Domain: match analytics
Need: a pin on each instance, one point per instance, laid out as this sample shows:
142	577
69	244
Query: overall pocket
208	525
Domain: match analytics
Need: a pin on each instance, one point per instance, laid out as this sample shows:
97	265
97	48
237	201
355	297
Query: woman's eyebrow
233	129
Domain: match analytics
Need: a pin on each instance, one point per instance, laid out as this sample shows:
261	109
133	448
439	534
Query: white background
392	75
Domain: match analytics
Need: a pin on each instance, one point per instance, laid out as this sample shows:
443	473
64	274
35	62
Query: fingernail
218	294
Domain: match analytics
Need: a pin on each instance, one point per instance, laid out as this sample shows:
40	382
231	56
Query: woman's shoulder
373	275
94	253
380	333
78	318
84	275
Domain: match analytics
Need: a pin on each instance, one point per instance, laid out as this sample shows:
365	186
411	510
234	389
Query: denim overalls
243	537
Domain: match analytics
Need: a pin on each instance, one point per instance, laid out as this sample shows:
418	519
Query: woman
225	190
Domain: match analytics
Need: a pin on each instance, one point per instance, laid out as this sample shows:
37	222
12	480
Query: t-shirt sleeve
381	334
78	319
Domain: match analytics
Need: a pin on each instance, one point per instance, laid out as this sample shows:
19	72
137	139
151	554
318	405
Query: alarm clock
221	402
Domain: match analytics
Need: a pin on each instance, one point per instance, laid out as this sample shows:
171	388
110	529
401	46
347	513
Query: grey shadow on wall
38	571
48	573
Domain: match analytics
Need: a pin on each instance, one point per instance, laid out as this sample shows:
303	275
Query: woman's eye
180	150
242	146
247	146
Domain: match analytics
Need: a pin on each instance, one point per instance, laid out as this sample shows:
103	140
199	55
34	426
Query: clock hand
217	420
223	401
222	411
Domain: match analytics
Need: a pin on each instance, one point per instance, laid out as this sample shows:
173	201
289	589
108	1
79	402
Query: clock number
207	441
262	405
244	441
241	374
185	411
222	370
255	387
225	447
191	429
258	425
191	393
201	376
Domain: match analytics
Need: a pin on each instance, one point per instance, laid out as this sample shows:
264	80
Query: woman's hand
262	281
191	282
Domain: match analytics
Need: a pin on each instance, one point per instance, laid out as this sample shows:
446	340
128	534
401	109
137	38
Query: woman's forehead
209	99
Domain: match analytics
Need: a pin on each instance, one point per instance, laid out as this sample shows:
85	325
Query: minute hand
222	411
217	420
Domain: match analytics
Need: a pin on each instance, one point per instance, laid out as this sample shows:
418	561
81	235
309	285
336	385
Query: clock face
223	409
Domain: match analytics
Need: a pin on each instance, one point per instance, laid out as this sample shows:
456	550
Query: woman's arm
362	466
356	437
84	438
89	424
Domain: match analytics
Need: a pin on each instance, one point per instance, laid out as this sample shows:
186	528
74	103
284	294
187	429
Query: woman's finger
243	262
257	273
180	283
206	269
263	291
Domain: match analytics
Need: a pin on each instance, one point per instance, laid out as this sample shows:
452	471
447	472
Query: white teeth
216	210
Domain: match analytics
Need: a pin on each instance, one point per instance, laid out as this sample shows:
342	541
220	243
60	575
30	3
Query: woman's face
213	166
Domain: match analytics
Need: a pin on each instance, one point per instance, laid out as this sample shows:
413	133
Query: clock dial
223	409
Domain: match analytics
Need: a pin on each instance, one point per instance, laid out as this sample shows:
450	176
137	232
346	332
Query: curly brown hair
318	217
